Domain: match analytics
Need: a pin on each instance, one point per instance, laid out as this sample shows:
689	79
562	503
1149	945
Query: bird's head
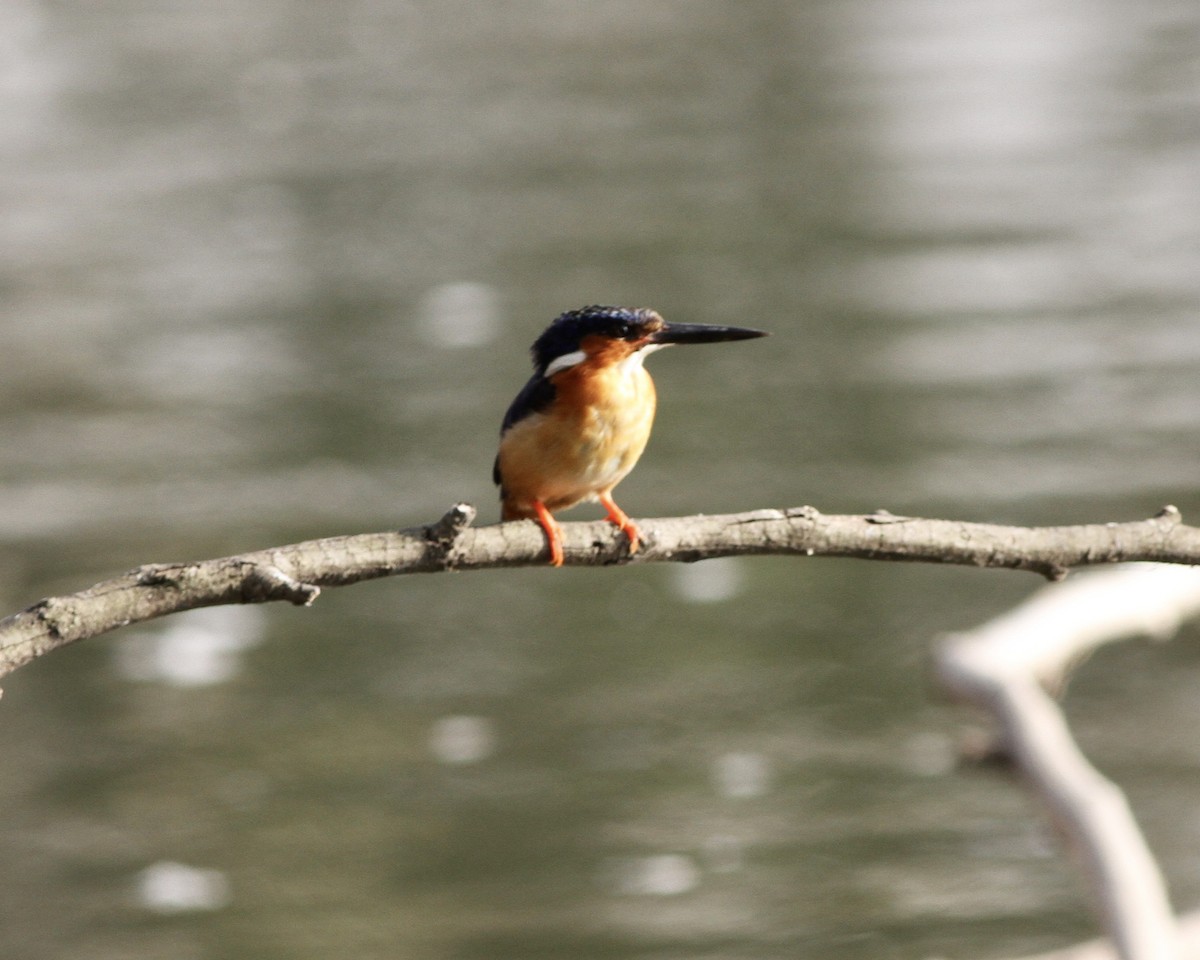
609	335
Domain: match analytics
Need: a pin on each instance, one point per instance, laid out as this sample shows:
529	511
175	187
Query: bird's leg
553	532
618	517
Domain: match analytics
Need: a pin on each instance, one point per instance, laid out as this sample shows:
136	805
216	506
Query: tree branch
297	572
1005	667
1188	938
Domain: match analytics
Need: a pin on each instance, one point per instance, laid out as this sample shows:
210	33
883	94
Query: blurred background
269	272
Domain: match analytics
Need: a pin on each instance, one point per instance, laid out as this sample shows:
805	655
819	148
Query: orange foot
618	517
553	532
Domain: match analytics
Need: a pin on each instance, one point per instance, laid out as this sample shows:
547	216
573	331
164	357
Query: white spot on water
169	887
661	875
199	648
709	581
742	775
460	740
460	314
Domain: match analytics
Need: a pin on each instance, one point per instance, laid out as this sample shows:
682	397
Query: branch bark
297	572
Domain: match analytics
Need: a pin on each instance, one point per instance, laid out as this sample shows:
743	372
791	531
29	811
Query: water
269	273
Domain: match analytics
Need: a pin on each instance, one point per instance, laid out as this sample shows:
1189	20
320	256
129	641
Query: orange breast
584	444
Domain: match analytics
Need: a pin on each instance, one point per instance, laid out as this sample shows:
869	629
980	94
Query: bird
580	424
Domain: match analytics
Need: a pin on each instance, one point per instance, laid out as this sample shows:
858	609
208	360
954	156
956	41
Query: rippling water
269	272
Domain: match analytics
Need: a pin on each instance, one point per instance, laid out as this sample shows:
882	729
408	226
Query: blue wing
535	396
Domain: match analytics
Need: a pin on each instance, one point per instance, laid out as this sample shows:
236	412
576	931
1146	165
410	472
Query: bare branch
1189	945
296	573
1005	666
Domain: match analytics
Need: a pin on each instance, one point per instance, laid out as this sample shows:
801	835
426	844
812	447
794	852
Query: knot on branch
47	611
881	516
251	581
1169	516
263	582
443	535
158	574
1054	572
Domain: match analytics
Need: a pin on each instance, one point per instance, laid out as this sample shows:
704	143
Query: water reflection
742	774
712	581
168	888
663	875
269	273
461	740
193	649
461	314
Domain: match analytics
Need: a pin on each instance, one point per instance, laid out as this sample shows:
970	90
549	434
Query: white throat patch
635	360
576	357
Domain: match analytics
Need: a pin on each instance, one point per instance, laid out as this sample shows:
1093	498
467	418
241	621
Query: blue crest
565	334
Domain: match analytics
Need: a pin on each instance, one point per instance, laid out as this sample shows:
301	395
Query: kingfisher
580	424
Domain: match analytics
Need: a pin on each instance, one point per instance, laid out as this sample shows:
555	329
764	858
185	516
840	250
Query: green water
270	272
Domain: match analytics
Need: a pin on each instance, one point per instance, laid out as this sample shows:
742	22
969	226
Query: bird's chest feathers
613	411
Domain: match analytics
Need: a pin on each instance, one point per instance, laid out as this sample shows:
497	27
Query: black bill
702	333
